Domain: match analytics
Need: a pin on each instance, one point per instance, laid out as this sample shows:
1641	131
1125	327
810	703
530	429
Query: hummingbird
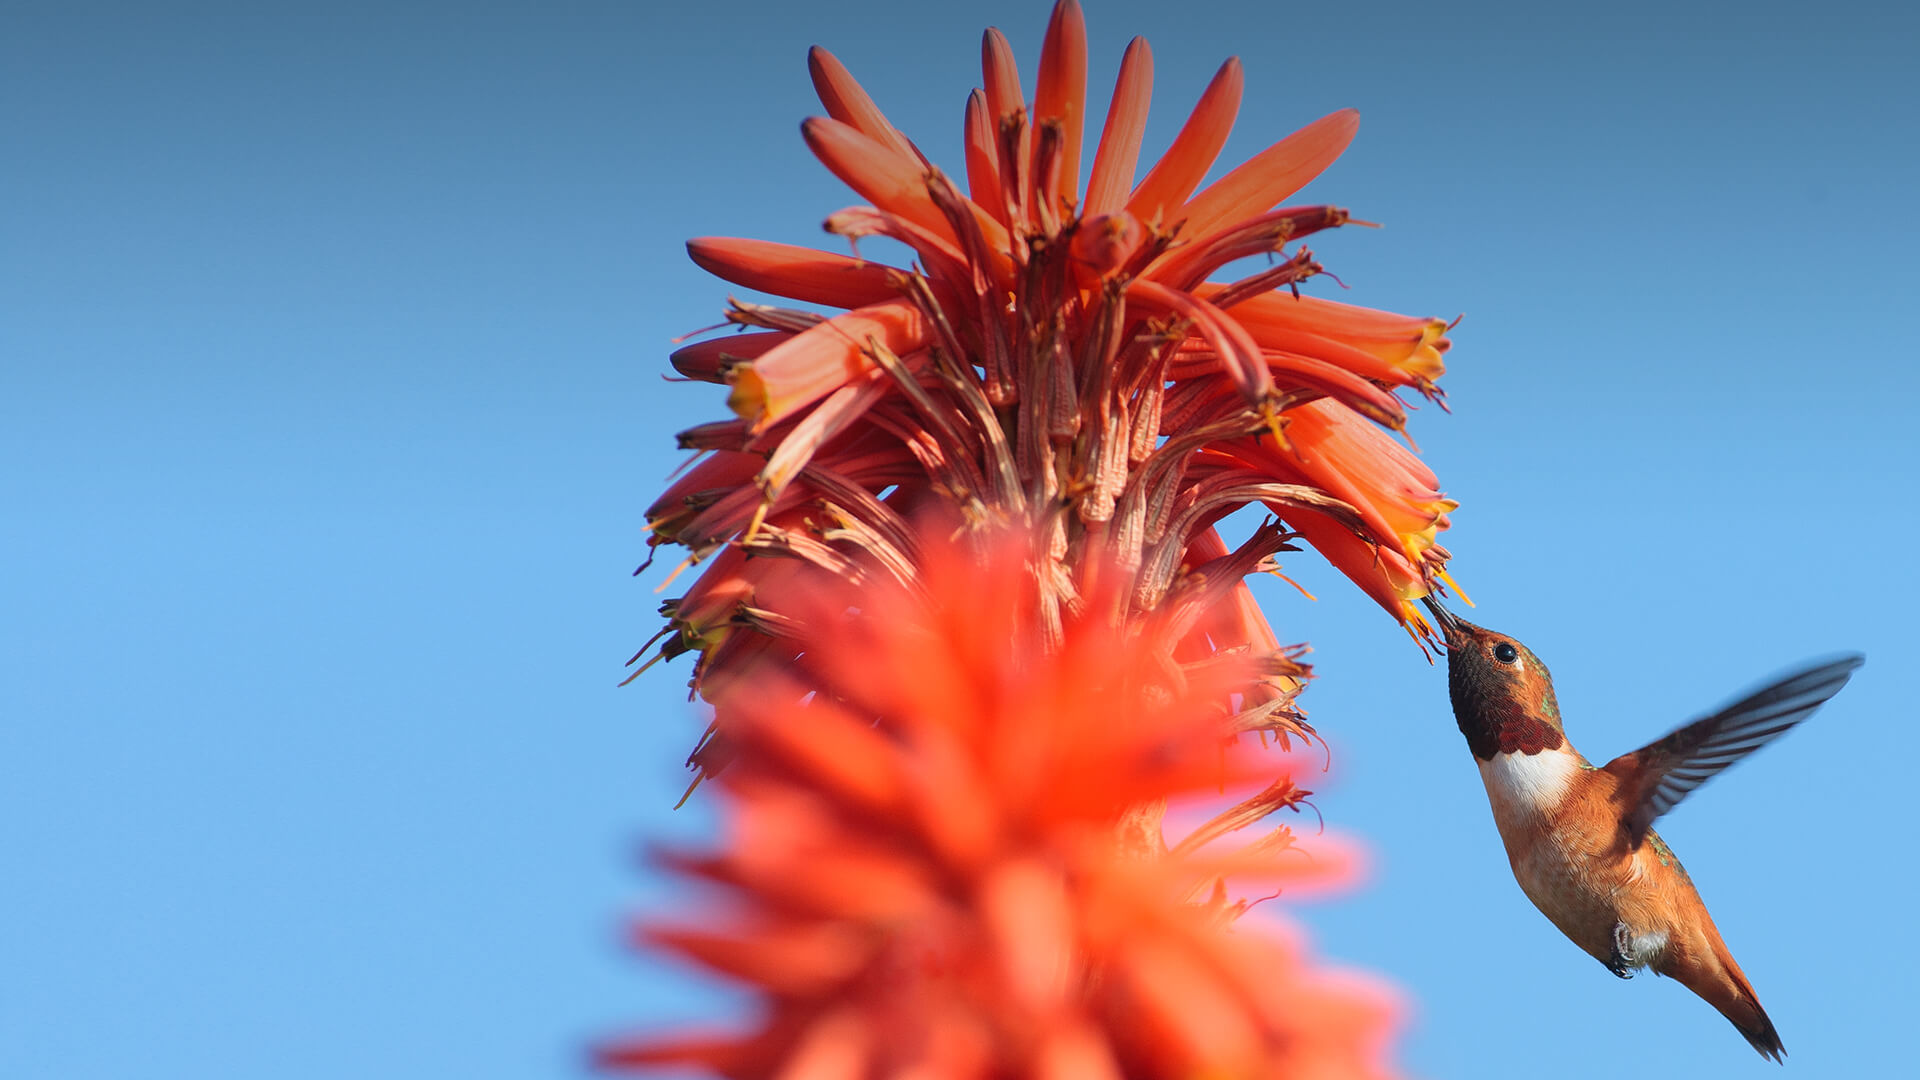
1580	837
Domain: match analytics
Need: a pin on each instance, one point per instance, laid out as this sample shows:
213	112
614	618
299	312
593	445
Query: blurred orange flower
922	876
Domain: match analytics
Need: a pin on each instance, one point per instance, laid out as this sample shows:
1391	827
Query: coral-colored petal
814	277
1158	199
835	754
1411	349
892	183
709	361
1026	908
834	1047
1061	93
829	418
1270	176
719	1053
1005	100
1119	150
1081	1052
846	101
983	158
1190	1022
1383	574
723	471
787	958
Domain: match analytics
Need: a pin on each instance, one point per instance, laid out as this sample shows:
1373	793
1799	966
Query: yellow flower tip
1454	585
747	395
1425	359
1424	364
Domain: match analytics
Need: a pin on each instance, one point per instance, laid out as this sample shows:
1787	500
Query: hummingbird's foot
1620	962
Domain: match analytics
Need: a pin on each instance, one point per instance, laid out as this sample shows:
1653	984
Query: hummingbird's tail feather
1751	1021
1724	986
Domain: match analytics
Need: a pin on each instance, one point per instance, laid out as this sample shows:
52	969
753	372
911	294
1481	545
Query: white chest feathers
1527	785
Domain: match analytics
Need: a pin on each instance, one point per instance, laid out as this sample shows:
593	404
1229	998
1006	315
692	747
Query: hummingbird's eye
1505	653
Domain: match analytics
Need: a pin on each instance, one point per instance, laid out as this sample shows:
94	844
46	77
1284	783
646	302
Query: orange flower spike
820	360
1119	151
813	277
1158	199
1272	175
1061	94
846	101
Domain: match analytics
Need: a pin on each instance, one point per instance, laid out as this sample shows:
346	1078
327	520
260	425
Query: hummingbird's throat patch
1515	732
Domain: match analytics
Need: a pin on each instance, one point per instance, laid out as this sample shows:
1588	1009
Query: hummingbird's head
1502	693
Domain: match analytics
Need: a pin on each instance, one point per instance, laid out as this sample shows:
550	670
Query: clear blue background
330	400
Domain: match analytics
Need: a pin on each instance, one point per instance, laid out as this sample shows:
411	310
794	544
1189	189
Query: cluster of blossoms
922	876
1055	366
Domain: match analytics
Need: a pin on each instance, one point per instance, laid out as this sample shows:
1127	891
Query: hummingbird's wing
1654	778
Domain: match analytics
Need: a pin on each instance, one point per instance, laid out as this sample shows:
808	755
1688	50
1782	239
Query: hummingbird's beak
1450	627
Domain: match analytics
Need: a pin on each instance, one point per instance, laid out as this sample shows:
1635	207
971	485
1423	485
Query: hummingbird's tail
1725	987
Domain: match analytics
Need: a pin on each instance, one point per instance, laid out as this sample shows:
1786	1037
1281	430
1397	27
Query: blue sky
330	401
